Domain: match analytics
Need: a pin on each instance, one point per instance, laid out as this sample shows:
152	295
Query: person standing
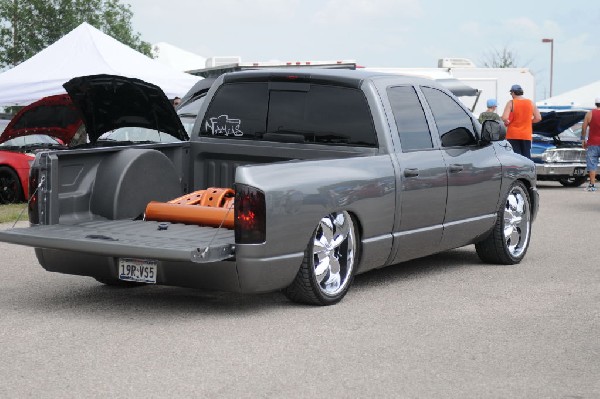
592	144
519	116
490	113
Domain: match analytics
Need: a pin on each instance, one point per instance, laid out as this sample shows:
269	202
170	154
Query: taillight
33	206
250	215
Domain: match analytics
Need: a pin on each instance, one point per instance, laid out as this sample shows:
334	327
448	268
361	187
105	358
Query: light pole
551	41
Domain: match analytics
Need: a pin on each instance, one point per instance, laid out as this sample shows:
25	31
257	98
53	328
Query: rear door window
301	112
410	119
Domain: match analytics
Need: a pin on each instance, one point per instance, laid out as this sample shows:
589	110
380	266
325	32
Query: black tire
10	186
572	181
335	243
508	242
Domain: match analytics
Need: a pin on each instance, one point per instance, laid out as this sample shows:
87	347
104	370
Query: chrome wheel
508	241
334	249
517	223
330	258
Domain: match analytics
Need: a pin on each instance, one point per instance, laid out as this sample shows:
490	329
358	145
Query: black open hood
555	122
108	102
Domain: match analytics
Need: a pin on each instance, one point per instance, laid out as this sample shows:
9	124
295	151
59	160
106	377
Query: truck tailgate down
131	238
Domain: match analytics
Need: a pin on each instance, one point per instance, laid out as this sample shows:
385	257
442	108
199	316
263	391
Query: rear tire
329	262
509	240
10	186
572	181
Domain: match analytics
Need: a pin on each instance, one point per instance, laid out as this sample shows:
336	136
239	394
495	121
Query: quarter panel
299	194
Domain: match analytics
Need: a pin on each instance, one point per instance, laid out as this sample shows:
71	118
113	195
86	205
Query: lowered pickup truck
292	180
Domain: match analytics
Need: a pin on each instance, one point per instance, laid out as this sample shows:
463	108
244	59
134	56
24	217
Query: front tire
509	240
572	181
329	262
10	186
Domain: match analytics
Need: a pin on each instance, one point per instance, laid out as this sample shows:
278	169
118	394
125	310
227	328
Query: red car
51	122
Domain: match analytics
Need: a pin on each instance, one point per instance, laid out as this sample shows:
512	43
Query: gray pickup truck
306	178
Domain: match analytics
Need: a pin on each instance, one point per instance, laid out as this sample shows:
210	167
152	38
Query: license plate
138	270
579	172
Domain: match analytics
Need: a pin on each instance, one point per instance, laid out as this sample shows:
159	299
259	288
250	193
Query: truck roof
345	77
236	67
349	78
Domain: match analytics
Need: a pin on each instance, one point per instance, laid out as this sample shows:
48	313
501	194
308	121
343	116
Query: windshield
191	108
137	134
34	139
572	133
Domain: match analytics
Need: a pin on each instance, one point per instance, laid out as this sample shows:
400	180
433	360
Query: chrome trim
557	168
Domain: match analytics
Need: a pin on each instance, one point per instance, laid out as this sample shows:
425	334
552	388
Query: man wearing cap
519	116
490	113
592	121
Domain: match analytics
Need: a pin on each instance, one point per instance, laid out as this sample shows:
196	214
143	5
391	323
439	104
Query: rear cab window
290	112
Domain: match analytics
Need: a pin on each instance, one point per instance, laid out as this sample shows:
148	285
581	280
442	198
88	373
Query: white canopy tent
582	97
85	51
179	59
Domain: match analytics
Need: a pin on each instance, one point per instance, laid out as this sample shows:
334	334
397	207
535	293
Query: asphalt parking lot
446	326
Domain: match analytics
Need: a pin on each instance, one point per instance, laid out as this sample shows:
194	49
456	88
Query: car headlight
536	156
551	156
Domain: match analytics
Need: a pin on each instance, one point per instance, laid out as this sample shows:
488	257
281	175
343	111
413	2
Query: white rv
489	82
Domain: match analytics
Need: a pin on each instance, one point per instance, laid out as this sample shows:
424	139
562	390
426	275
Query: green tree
29	26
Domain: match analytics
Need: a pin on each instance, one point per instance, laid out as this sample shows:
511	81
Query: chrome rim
334	248
516	222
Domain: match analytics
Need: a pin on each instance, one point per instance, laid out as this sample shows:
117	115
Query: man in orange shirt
519	116
592	144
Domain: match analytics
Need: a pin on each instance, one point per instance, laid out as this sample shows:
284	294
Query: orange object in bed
210	207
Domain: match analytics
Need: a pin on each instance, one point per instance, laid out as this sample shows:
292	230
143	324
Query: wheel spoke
334	264
333	282
322	269
327	230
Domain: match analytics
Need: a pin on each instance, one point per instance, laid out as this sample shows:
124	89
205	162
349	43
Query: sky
386	33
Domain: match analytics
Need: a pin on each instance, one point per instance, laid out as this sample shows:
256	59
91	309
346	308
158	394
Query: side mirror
493	131
457	137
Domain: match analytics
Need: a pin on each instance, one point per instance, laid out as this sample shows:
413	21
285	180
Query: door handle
455	168
411	172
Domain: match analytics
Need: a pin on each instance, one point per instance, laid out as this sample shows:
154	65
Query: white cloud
577	49
522	26
471	28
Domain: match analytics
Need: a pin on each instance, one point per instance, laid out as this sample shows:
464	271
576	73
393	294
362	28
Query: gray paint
451	201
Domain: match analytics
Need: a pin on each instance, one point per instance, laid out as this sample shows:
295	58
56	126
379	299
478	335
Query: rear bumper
557	170
247	276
